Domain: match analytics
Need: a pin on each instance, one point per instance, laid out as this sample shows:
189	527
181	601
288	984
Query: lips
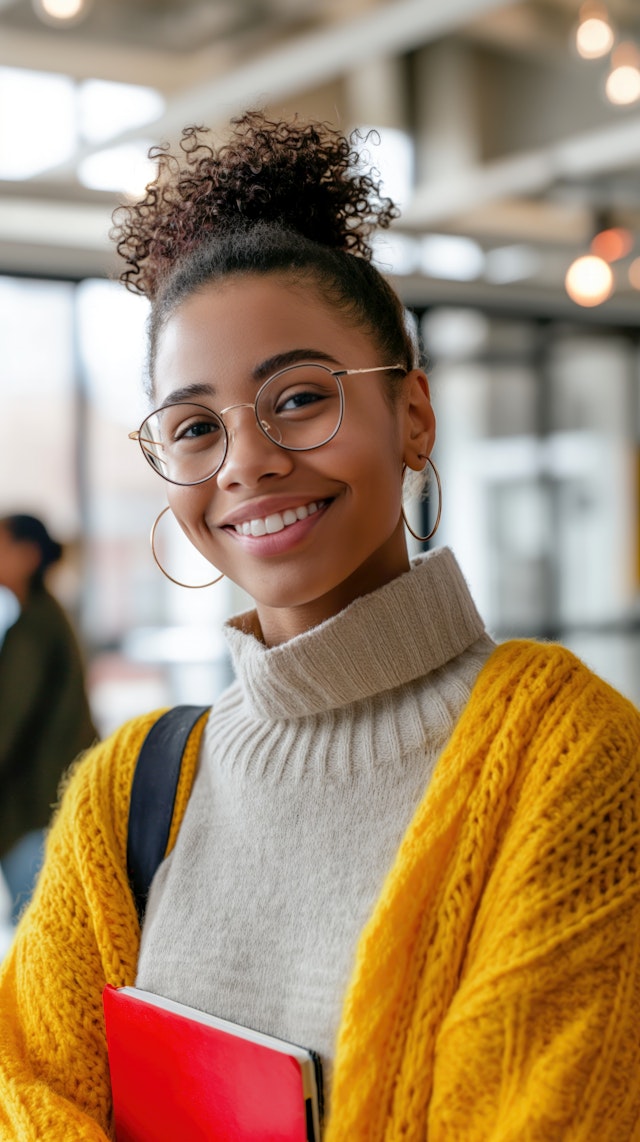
277	521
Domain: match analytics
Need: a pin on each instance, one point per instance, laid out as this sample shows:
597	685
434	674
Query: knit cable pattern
497	986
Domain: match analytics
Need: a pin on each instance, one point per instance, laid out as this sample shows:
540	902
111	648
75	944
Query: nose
251	456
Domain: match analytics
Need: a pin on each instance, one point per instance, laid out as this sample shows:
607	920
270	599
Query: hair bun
305	177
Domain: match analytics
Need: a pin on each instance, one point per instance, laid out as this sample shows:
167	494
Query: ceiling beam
434	204
304	63
321	56
84	58
54	223
582	156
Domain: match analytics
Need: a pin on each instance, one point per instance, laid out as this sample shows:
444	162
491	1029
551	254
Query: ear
420	421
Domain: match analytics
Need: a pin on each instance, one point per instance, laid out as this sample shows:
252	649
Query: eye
187	426
300	391
195	429
300	398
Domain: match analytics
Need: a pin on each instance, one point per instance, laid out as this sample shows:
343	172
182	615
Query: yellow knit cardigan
496	990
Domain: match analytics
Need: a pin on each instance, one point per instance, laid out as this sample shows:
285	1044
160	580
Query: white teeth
277	521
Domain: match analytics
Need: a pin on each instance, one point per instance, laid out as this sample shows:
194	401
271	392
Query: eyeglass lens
299	408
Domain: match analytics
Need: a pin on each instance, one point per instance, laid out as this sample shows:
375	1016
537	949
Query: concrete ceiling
516	145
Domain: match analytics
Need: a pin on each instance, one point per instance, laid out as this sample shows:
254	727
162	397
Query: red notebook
179	1074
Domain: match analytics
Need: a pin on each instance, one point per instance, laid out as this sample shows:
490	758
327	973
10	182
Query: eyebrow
260	373
290	357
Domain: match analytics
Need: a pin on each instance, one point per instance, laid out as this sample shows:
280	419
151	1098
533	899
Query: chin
287	595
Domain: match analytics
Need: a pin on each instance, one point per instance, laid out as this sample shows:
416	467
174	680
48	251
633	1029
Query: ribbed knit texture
497	985
313	765
411	626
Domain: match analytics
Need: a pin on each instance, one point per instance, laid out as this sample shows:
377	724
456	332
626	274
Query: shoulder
43	620
42	605
99	782
546	704
117	752
98	785
548	672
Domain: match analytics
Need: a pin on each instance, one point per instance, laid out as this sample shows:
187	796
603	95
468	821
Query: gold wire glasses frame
296	401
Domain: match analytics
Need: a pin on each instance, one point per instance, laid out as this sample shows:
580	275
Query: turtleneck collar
405	629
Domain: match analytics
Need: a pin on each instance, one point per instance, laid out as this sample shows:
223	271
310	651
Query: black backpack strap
153	794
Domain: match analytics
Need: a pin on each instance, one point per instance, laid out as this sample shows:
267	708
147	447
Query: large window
38	426
537	444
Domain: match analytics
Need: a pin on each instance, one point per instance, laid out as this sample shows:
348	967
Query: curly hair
280	196
303	176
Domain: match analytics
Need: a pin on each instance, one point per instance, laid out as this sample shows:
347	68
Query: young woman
45	719
393	843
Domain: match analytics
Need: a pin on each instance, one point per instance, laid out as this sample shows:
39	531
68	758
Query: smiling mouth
278	521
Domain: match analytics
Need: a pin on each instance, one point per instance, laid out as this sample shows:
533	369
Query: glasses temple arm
376	369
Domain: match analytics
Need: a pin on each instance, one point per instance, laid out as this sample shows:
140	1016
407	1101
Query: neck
279	624
20	589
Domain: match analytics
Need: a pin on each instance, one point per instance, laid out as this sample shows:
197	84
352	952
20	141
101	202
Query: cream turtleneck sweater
312	765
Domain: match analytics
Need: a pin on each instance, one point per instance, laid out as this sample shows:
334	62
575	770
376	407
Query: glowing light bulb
634	273
60	11
594	38
589	280
623	82
594	35
612	244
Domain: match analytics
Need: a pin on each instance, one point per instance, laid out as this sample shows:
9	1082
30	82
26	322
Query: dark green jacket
45	720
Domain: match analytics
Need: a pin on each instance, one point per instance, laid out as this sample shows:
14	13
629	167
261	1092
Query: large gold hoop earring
189	586
426	538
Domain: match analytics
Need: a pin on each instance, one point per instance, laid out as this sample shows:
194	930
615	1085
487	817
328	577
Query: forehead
230	328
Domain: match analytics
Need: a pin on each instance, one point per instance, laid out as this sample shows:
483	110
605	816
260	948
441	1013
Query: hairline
300	278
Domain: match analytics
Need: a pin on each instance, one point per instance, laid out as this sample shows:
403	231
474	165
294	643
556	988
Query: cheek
189	505
375	449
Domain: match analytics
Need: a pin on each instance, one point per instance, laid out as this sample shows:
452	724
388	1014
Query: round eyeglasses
299	408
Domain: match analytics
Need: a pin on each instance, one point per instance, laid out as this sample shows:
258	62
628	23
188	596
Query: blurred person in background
45	720
407	849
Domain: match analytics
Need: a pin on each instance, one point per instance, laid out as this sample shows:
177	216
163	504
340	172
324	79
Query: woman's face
18	562
212	350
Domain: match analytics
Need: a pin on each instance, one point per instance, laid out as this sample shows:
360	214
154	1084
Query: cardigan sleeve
496	986
79	932
541	1041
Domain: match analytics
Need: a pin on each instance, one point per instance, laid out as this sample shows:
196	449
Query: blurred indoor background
510	134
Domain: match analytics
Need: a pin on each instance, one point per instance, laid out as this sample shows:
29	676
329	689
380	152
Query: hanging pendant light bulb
61	11
594	34
589	281
623	82
634	273
612	243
